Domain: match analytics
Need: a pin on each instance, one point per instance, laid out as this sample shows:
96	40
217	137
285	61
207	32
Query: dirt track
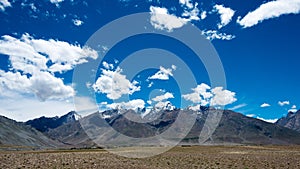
180	157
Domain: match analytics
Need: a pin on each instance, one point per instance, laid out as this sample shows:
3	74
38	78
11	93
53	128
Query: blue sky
256	41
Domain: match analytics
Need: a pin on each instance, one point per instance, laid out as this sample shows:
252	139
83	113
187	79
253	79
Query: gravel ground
180	157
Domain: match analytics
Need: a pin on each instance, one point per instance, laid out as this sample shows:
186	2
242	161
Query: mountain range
70	131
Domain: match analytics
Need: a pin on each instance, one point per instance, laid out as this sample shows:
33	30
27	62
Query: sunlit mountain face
62	55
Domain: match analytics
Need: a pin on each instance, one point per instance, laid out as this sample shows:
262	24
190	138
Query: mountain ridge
233	128
291	121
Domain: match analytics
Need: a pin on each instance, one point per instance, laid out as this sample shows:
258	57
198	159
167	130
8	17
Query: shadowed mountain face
43	124
291	121
14	133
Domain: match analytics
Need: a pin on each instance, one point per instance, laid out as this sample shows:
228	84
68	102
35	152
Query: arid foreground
179	157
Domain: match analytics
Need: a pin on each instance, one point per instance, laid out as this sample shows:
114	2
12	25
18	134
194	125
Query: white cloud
200	95
162	20
265	105
30	55
4	4
114	84
268	10
65	56
213	34
46	86
203	15
163	97
204	95
149	102
43	84
226	15
267	120
186	3
107	65
14	81
33	63
238	107
132	104
77	22
282	103
173	67
161	101
150	84
293	109
222	97
163	73
194	97
56	2
250	115
191	13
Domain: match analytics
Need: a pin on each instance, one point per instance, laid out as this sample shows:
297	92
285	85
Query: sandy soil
180	157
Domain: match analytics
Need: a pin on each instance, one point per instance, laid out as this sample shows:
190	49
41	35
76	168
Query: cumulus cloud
282	103
163	73
114	84
165	96
265	105
201	95
204	95
29	55
162	20
186	3
161	101
226	15
222	97
132	104
4	4
191	13
45	86
77	22
33	63
268	10
107	65
213	34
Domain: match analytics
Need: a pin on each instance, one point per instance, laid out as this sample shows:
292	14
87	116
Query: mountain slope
234	128
291	121
237	128
71	134
43	124
14	133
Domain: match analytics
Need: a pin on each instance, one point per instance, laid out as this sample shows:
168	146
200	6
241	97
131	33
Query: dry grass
180	157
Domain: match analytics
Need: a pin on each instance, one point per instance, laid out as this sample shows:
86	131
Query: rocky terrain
16	135
243	157
291	121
